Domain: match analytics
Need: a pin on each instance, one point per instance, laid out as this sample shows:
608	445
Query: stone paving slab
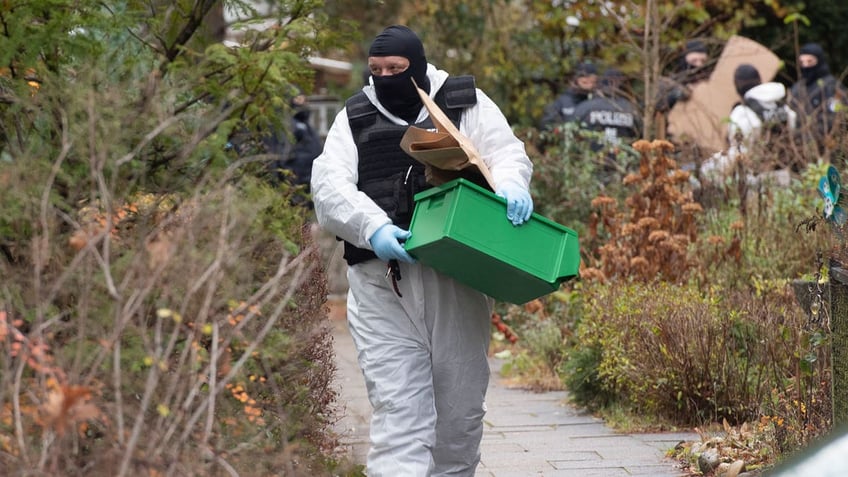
525	433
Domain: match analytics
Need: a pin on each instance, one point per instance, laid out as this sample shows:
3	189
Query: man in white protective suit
421	337
761	121
762	111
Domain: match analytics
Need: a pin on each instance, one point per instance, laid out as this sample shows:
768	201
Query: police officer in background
294	152
307	143
612	115
582	87
610	112
691	68
817	95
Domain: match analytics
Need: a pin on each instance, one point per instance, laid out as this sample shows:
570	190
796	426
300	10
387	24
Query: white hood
767	92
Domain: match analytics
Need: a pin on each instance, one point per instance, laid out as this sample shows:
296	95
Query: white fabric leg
423	356
395	360
460	344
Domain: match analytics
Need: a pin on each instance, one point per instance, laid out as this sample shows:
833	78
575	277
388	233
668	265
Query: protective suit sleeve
793	117
743	121
487	128
340	207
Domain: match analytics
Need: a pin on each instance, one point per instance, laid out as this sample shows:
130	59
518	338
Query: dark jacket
614	116
295	156
307	146
562	109
817	102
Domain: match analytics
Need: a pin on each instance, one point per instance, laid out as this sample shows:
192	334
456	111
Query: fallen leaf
66	405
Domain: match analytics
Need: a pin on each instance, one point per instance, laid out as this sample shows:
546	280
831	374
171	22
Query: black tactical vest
774	120
388	175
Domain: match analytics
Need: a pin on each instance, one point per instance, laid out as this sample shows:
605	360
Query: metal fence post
839	342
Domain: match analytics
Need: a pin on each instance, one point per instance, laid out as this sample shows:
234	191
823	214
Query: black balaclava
299	107
746	77
613	82
397	92
691	74
820	70
583	69
692	46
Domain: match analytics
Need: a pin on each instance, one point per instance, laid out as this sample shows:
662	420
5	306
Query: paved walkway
526	433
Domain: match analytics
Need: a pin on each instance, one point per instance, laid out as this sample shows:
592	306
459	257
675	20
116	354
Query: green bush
766	240
568	174
581	374
162	307
544	329
684	355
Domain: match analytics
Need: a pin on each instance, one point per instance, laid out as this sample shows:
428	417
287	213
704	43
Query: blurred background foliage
523	53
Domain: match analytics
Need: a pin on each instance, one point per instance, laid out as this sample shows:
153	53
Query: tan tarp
444	151
703	118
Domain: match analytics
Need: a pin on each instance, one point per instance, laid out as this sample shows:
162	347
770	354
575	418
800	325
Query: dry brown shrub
196	344
658	226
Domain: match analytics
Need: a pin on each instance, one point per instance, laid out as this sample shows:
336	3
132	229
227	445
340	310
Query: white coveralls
745	124
744	121
424	356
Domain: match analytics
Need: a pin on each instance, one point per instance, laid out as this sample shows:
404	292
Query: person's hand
519	204
386	243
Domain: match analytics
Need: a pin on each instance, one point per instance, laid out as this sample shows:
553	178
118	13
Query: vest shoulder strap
360	112
460	91
756	107
767	114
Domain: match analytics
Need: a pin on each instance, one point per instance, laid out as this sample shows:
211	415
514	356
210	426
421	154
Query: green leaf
796	17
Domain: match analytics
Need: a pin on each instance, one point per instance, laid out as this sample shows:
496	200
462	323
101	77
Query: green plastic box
461	230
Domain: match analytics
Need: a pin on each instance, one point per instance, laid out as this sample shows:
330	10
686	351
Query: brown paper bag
444	151
438	149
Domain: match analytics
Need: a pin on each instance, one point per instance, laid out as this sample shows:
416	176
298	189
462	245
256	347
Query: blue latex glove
386	243
519	204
